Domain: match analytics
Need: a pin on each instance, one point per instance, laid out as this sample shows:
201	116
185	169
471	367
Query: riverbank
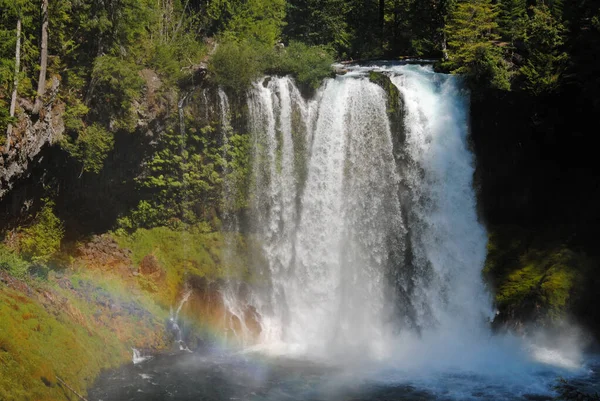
77	318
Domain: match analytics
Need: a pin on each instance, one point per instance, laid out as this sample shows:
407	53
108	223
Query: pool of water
223	375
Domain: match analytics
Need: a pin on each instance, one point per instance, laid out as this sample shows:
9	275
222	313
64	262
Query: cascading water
365	235
174	321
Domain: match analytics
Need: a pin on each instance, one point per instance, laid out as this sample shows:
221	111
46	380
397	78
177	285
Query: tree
13	101
318	22
43	59
544	38
472	44
512	19
259	20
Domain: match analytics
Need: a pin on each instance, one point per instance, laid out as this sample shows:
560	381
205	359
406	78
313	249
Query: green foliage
309	65
74	114
546	61
472	50
239	168
12	263
235	65
172	59
513	19
91	147
116	83
259	20
41	240
525	273
252	20
183	179
317	22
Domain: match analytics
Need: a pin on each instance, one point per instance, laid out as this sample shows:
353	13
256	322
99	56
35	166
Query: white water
138	357
373	247
360	246
174	320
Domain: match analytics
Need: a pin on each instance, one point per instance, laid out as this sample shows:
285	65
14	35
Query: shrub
41	240
74	113
171	60
115	84
308	64
236	64
91	147
12	263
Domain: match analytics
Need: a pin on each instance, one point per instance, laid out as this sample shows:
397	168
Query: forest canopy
104	53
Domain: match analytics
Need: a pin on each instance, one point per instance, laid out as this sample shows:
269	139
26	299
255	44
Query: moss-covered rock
394	102
534	280
395	107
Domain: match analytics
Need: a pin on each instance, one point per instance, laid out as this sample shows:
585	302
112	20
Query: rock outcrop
29	137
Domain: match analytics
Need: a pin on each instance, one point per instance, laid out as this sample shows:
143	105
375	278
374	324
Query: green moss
182	253
37	345
393	94
71	332
524	269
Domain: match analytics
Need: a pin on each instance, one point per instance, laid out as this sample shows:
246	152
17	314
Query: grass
37	345
72	326
78	320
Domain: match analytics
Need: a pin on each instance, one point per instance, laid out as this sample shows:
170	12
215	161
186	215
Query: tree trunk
43	59
13	101
444	47
382	20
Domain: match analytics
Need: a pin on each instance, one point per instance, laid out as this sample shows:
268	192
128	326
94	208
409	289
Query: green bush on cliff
309	65
12	263
115	85
91	147
236	64
41	240
183	180
472	44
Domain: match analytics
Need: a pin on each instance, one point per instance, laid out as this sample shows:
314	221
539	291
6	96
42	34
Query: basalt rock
30	135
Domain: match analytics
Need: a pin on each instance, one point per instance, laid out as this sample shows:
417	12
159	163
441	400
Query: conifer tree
512	19
472	44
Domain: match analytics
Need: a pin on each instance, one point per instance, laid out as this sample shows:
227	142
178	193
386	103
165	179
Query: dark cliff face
535	159
538	188
29	137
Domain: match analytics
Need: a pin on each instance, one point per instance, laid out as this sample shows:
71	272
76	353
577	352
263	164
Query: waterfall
138	357
174	321
369	230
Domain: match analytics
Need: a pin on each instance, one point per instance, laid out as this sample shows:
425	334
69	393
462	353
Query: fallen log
61	381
